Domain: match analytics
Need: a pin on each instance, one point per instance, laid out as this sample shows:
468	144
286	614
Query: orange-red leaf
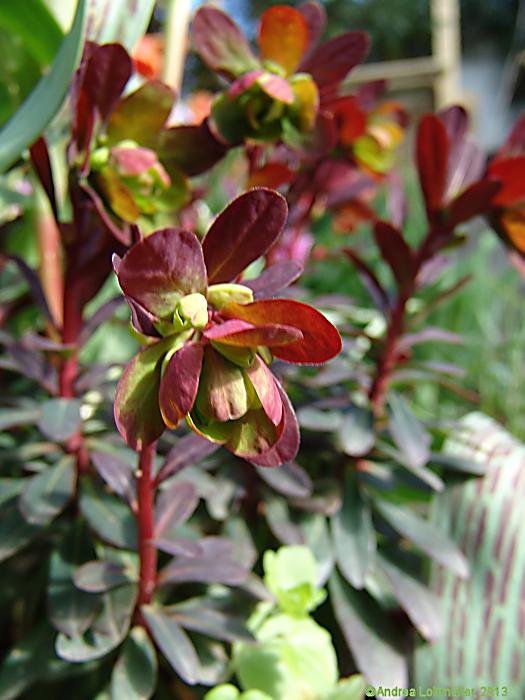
283	37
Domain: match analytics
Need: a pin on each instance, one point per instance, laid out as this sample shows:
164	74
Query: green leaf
60	418
422	606
33	24
458	464
40	107
356	433
353	535
15	531
107	632
101	576
407	432
373	640
174	643
349	689
71	611
290	574
109	517
134	675
425	536
26	661
47	494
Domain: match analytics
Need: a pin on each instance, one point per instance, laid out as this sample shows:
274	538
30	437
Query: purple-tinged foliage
210	364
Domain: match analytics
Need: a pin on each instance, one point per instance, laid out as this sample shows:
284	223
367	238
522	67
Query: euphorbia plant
209	343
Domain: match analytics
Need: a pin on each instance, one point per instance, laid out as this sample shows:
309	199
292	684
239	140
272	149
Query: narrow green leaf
458	464
109	517
174	643
60	418
425	536
356	433
40	107
107	632
353	535
373	640
134	675
407	432
70	610
47	494
33	24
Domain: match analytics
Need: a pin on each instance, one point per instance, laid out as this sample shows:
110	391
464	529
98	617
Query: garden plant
217	480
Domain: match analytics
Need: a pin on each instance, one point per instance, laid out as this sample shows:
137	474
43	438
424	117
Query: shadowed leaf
407	432
134	675
100	576
60	418
174	506
47	494
331	62
395	252
353	536
173	642
108	516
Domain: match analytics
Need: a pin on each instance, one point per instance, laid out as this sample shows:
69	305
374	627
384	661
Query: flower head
276	96
210	341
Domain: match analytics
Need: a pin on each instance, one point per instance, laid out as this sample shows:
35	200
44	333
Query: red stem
387	361
145	516
69	367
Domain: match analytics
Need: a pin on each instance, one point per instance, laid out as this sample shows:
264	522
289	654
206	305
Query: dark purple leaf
422	606
108	70
395	251
35	286
374	641
221	44
315	16
42	165
117	474
173	642
289	479
216	565
179	547
197	615
474	201
174	506
179	383
432	154
429	335
162	268
331	62
101	315
425	536
287	446
274	279
353	535
192	149
242	232
377	292
279	520
189	450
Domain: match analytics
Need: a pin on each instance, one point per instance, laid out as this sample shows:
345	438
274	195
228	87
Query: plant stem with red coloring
145	517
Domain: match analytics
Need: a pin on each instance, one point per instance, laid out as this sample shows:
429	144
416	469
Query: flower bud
221	294
194	309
